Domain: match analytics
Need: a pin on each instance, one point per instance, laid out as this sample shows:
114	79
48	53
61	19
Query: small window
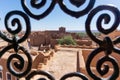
8	76
1	75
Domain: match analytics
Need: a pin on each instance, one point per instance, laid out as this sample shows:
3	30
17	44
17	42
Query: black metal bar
106	45
78	62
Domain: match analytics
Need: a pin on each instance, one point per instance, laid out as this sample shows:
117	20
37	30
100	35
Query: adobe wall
45	38
50	37
53	42
42	58
84	42
113	34
37	38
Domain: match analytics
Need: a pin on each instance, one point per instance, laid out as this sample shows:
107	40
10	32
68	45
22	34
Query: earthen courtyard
63	62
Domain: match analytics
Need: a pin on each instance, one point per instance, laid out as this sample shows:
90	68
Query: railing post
78	63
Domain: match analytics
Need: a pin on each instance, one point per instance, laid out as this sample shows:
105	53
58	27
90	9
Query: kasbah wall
112	35
39	38
49	37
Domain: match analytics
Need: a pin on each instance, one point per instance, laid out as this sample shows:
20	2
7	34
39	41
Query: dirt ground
63	62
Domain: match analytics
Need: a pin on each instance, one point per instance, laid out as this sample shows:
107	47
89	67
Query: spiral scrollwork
77	3
17	64
106	45
19	25
39	5
20	64
75	74
100	62
105	17
46	74
17	68
106	67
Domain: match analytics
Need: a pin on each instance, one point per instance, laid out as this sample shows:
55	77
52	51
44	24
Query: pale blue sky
55	19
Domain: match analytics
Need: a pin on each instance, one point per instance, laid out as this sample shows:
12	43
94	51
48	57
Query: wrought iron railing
106	45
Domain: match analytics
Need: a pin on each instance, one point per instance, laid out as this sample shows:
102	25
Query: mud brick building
49	37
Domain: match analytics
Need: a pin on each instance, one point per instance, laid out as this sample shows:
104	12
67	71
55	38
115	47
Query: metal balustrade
106	45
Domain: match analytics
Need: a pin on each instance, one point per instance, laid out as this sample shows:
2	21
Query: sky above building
56	18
